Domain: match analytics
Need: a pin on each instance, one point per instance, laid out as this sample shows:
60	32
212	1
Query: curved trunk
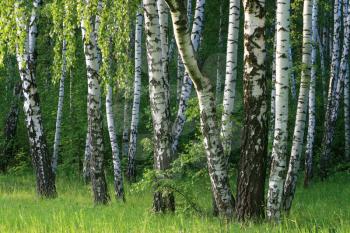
312	96
217	162
252	167
57	142
95	137
159	101
118	178
279	149
186	89
136	102
300	121
230	78
45	178
332	109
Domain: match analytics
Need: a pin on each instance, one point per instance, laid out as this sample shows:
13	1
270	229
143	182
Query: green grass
324	207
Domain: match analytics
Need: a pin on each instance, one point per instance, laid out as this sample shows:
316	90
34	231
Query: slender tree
27	29
137	95
331	111
219	59
300	121
279	150
231	76
118	177
90	27
159	99
312	103
217	163
57	141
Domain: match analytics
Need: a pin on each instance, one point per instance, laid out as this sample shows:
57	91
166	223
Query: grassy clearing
324	207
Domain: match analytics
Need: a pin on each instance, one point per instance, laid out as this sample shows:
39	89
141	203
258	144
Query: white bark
57	141
273	93
300	121
118	177
95	137
279	150
312	96
137	96
196	34
231	76
159	97
45	178
163	13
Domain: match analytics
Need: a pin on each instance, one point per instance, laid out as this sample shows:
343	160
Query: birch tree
159	101
118	177
218	60
217	162
312	96
137	95
90	25
300	121
331	111
27	29
252	166
279	150
231	76
57	141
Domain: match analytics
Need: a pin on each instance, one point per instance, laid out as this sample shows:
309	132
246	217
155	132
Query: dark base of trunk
215	208
163	202
100	191
308	177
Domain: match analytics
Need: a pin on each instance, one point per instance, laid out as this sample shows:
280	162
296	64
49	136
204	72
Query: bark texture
159	100
252	167
279	150
45	178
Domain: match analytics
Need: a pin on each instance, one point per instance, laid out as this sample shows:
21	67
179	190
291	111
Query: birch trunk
312	96
118	178
196	34
331	110
137	95
57	142
95	137
217	162
230	78
252	167
163	13
300	121
218	60
279	150
87	158
292	81
45	178
159	100
323	70
346	95
273	94
11	129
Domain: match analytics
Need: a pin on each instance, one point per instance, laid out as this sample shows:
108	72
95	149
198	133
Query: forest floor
323	207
